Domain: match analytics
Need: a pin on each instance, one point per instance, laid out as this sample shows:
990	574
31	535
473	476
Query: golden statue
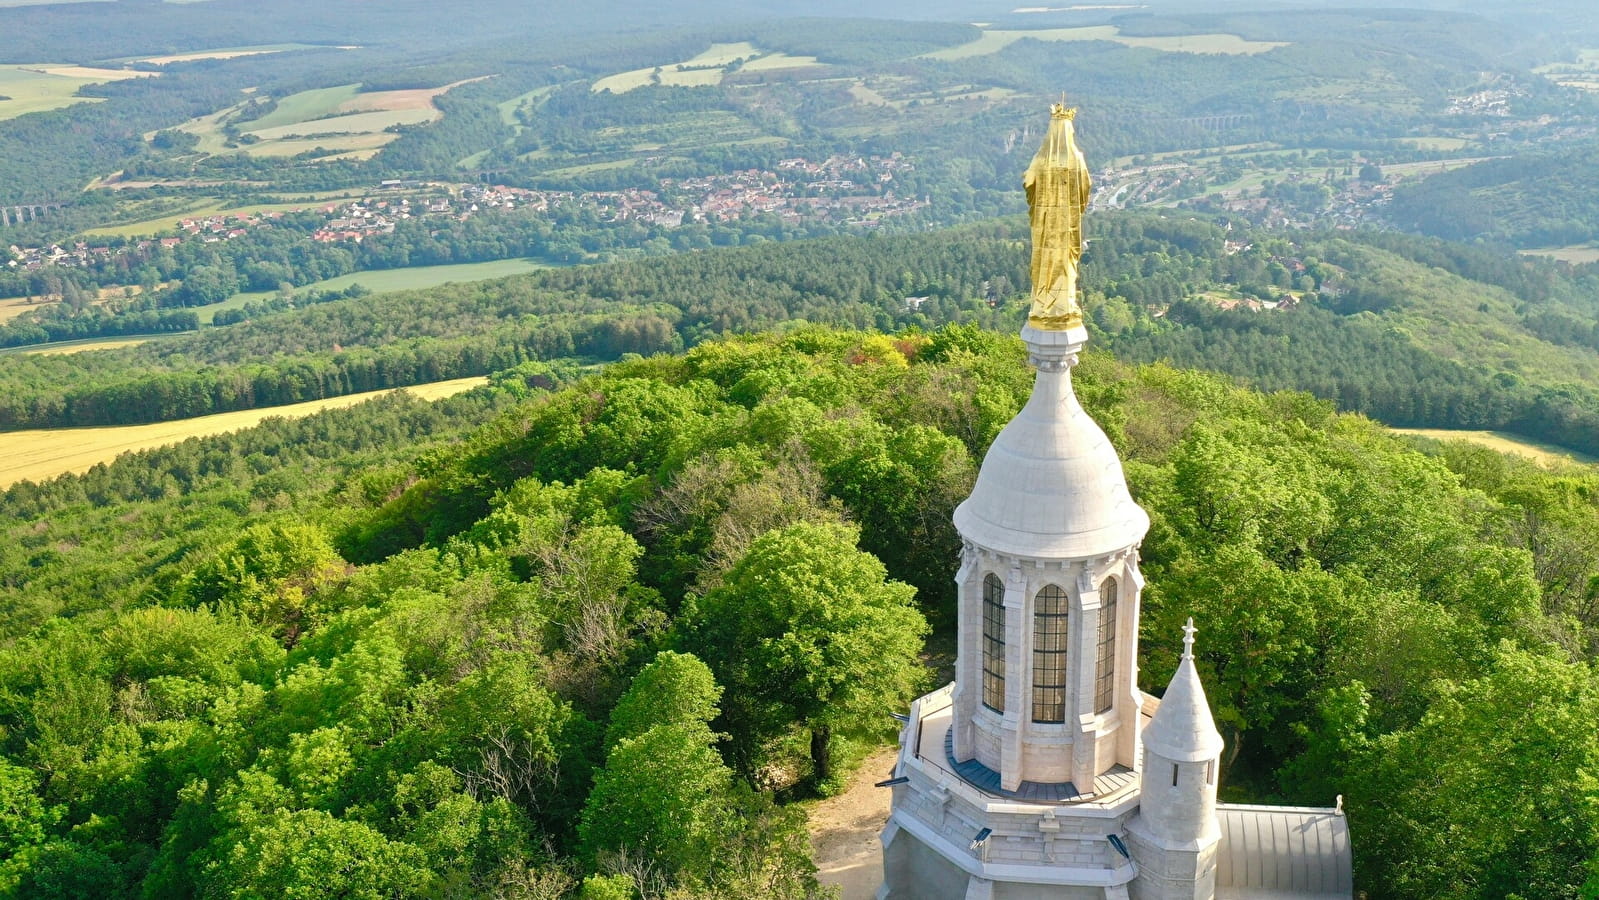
1057	186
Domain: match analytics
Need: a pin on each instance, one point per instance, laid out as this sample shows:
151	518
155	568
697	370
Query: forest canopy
422	666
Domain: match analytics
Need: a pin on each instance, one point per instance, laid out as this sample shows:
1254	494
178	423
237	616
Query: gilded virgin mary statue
1057	186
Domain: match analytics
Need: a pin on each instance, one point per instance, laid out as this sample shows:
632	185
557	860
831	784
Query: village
850	191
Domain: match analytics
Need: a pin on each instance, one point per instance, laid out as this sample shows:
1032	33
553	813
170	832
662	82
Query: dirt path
844	830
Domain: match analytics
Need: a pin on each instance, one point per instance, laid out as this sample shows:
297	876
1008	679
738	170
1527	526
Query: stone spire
1183	729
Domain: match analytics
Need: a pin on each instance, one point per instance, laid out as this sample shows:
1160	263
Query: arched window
994	643
1105	659
1049	654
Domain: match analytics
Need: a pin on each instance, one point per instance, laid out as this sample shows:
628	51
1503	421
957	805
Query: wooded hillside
423	668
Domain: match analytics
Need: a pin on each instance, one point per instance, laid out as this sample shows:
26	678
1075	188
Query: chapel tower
1043	771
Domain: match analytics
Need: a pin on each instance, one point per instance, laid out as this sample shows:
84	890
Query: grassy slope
382	281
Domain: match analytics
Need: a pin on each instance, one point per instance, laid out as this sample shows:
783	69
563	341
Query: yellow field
227	53
1575	255
993	41
1505	442
707	68
46	86
72	347
38	455
11	307
1434	167
212	54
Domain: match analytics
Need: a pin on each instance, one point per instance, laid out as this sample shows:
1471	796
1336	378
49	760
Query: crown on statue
1062	111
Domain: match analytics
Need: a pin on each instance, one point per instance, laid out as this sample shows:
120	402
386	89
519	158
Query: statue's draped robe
1057	186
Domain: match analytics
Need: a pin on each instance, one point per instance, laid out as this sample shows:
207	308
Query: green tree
663	794
808	630
1492	794
674	689
271	573
310	854
608	887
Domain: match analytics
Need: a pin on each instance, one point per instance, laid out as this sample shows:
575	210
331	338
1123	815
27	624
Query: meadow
1505	442
1577	255
43	454
11	307
382	281
31	87
705	69
1582	74
341	120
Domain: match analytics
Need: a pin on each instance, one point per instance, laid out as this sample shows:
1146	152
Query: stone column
1018	678
1085	646
969	651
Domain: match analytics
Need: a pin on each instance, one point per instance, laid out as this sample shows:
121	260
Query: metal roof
1280	852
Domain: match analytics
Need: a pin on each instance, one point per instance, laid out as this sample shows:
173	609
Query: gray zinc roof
1281	852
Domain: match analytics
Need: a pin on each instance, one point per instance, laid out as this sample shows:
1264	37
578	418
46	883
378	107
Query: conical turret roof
1182	729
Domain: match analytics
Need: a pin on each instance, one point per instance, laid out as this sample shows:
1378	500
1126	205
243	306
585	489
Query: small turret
1177	807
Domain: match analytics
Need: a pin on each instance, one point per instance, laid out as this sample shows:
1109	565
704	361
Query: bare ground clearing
844	830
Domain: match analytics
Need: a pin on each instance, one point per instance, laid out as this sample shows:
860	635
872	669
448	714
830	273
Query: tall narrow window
1105	660
994	644
1049	655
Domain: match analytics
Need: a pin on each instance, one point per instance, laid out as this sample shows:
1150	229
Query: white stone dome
1051	485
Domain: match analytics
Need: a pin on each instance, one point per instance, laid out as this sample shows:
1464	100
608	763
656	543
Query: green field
304	106
354	123
383	281
1446	144
993	41
42	87
509	107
